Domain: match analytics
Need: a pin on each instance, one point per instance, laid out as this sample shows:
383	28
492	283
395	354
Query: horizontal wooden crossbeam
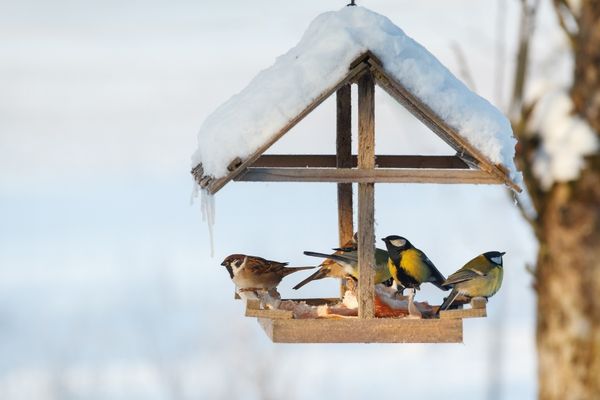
381	161
254	174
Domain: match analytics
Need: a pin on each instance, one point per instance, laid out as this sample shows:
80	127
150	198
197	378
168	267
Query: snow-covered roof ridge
278	94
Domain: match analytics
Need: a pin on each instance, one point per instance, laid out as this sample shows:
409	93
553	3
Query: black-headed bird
480	277
410	267
253	275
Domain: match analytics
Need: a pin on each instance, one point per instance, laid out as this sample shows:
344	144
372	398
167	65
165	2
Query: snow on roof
319	61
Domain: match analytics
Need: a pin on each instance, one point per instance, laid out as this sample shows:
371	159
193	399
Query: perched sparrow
348	259
250	273
480	277
410	267
329	268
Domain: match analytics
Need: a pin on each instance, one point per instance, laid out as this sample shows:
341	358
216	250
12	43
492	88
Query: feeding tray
281	326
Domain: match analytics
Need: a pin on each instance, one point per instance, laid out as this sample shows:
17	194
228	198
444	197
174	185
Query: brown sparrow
330	268
255	274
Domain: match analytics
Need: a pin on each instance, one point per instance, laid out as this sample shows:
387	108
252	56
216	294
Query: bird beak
383	239
224	264
502	253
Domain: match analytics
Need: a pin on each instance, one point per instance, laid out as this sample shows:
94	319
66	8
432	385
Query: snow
565	139
321	59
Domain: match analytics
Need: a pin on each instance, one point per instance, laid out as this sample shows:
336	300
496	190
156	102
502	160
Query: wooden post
344	160
366	197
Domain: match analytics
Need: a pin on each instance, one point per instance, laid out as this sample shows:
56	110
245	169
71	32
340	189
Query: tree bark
568	229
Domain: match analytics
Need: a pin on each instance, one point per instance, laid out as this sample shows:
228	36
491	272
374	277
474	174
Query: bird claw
413	311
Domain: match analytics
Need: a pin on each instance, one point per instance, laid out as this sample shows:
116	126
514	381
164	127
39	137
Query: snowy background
107	289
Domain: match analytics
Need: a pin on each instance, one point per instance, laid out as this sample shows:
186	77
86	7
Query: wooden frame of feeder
468	166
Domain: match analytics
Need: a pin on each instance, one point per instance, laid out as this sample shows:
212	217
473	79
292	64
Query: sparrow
329	268
480	277
252	274
410	267
348	259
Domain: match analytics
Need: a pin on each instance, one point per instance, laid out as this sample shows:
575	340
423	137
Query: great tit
410	267
348	259
480	277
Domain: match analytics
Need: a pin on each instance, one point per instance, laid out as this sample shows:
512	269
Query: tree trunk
568	228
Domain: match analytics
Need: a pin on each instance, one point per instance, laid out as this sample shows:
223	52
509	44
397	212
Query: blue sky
107	289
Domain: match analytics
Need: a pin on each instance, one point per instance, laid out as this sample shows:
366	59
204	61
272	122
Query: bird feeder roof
279	96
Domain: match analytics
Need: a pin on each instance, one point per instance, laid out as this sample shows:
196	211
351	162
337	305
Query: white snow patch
320	60
565	139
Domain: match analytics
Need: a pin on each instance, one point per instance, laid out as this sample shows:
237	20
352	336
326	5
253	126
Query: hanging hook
352	3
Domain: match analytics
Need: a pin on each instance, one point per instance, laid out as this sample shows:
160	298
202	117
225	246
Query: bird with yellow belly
410	267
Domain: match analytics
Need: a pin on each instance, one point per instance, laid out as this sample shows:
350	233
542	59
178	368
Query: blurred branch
520	113
463	67
567	20
500	62
528	13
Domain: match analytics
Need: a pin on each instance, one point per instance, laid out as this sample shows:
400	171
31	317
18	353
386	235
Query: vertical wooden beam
344	160
366	197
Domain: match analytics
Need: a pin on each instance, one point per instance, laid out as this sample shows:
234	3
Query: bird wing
479	266
260	265
463	274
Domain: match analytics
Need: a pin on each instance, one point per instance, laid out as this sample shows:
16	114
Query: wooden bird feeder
468	166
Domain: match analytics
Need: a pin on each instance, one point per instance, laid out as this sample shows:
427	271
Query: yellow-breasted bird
348	259
410	267
480	277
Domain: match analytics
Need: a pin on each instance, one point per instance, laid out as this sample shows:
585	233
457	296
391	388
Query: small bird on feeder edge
257	278
410	267
348	259
344	264
480	277
329	268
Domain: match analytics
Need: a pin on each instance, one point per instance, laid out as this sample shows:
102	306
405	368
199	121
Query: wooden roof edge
213	185
368	61
437	125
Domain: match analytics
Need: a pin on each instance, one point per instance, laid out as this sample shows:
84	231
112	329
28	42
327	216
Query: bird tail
320	274
337	257
448	300
440	285
291	270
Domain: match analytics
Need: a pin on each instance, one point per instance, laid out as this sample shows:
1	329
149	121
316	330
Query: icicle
207	203
194	194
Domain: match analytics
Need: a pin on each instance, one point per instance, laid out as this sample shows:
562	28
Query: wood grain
366	198
367	176
381	161
356	330
343	159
